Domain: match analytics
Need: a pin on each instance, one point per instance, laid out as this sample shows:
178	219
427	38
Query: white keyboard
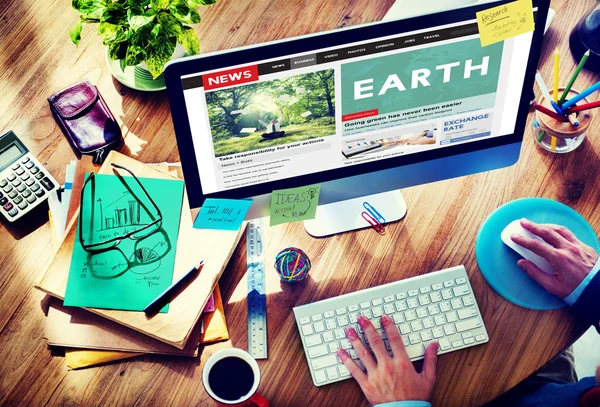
436	306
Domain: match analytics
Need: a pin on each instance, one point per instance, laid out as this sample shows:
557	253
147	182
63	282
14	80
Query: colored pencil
553	143
556	63
545	110
546	92
573	119
585	106
573	77
582	95
541	136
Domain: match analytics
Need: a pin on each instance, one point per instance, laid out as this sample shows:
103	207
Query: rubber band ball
292	264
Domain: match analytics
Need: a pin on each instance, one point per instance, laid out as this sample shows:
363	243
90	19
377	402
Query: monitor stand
344	216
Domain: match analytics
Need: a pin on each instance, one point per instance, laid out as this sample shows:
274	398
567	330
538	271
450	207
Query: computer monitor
363	111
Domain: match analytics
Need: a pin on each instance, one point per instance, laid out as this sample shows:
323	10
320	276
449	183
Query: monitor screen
345	103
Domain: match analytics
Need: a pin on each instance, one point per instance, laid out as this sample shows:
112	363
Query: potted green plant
138	31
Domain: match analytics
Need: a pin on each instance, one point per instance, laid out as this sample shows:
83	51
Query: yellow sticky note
506	21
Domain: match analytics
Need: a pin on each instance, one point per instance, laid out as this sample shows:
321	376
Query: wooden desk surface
439	231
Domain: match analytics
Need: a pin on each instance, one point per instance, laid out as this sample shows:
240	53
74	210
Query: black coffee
231	378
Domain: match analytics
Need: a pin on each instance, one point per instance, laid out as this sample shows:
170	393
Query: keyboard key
400	305
342	321
422	313
480	338
367	313
468	325
19	171
424	300
333	346
29	182
26	193
303	321
12	176
319	326
313	340
428	323
21	187
467	313
376	323
377	301
446	294
328	336
332	373
450	329
410	315
405	341
13	193
404	329
307	330
433	309
415	351
398	318
426	336
339	334
449	283
330	324
341	311
440	320
18	199
416	325
7	188
435	297
365	305
401	296
437	332
468	300
25	176
456	303
445	306
16	181
329	314
469	341
352	353
467	335
414	338
377	312
388	298
22	205
345	344
461	280
412	293
3	183
437	286
316	351
320	376
343	371
317	317
389	309
444	344
451	316
461	290
412	303
456	344
425	290
353	317
353	308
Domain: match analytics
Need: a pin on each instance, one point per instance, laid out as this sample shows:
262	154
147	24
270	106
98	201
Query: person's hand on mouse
389	378
571	259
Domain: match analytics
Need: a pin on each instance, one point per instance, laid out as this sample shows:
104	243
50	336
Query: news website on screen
356	103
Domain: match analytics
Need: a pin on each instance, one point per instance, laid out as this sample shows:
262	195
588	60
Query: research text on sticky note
506	21
294	204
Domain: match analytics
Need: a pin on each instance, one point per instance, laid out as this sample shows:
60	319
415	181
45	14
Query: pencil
545	110
553	144
169	294
541	136
573	77
556	63
546	92
585	106
573	119
582	95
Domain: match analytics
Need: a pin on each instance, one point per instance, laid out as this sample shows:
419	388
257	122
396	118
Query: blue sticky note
222	214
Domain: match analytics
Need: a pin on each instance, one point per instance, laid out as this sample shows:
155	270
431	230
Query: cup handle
258	401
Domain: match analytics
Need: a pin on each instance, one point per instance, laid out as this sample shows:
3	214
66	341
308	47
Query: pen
169	294
546	93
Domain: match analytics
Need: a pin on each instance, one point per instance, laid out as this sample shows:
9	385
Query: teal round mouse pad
498	262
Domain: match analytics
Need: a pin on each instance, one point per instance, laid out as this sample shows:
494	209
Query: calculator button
16	181
7	188
35	187
16	166
19	171
30	182
21	187
13	212
26	193
25	160
22	205
31	199
29	165
8	206
47	183
11	177
39	175
13	193
40	193
25	176
35	170
3	201
3	183
18	199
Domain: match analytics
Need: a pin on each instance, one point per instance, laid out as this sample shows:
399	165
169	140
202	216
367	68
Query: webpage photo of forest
271	113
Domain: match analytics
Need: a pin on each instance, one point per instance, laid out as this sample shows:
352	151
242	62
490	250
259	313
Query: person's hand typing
389	378
571	259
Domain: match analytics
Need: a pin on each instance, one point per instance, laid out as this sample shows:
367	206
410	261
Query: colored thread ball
292	264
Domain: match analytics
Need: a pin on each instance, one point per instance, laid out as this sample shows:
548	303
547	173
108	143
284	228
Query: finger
545	232
394	338
538	247
363	353
536	273
564	232
430	362
375	341
352	367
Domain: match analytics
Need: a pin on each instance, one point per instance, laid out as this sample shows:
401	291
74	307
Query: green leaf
158	54
138	21
119	36
141	37
105	29
114	13
91	9
117	51
155	30
122	64
198	3
135	55
189	40
184	13
75	33
171	27
159	4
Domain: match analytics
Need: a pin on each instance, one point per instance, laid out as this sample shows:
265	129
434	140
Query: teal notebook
131	253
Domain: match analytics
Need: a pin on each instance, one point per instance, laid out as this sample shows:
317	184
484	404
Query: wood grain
439	230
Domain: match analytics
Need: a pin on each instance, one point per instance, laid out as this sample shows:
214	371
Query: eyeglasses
137	234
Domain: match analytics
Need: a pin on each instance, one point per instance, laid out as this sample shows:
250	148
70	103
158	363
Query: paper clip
374	212
379	228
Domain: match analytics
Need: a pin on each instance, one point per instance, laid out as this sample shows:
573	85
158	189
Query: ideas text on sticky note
294	204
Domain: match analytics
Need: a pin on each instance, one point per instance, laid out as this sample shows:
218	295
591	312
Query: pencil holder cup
560	136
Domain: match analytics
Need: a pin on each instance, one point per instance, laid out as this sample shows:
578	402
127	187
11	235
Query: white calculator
24	183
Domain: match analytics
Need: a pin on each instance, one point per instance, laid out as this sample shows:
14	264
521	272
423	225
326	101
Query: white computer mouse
515	228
